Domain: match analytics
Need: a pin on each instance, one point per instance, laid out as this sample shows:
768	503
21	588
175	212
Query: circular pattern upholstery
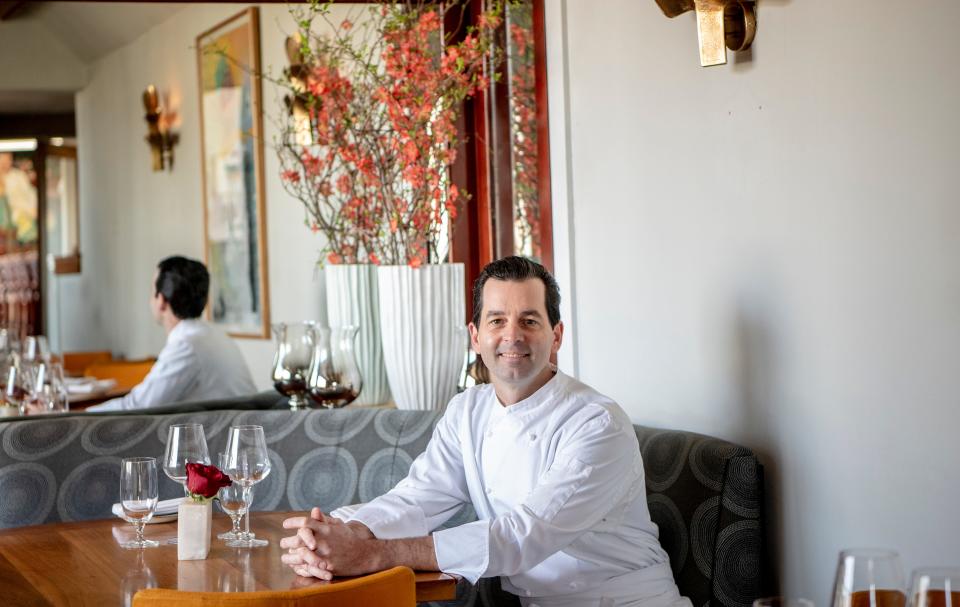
115	434
673	530
383	470
703	530
275	427
213	422
708	458
27	491
336	427
739	495
403	427
90	490
35	440
664	455
738	563
325	477
268	492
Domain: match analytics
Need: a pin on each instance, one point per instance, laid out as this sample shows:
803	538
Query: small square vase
194	527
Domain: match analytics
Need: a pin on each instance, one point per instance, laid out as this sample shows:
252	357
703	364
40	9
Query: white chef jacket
558	486
198	362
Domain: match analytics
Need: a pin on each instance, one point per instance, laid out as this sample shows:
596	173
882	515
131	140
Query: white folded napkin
164	507
89	385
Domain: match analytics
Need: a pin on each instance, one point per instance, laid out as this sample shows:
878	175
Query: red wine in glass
291	386
333	396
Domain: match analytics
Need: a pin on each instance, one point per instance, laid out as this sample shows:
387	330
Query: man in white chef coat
551	467
198	361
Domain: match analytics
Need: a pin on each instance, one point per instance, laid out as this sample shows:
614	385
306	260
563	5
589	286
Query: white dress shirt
558	486
198	362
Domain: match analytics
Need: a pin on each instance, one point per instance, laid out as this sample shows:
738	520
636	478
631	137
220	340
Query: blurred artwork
231	118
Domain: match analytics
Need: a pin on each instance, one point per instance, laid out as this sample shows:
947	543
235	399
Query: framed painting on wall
231	143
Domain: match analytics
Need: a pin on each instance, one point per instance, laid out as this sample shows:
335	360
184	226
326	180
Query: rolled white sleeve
595	468
433	491
172	376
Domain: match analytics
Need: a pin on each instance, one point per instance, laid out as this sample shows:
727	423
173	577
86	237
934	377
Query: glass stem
236	525
247	499
139	527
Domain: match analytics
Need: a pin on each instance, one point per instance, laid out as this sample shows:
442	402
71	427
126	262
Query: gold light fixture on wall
160	134
721	24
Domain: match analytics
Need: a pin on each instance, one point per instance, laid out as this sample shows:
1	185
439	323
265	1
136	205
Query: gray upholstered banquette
705	494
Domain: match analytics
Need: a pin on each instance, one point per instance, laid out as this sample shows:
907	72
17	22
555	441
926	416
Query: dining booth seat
705	494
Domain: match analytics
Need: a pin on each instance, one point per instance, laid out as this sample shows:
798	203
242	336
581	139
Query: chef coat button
489	490
533	436
489	433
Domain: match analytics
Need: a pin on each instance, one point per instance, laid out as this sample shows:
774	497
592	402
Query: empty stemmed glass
935	587
232	503
139	491
247	463
869	577
186	443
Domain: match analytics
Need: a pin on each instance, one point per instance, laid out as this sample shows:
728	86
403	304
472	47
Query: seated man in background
199	361
551	466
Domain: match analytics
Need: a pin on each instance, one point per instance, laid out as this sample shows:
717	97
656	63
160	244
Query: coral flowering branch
371	132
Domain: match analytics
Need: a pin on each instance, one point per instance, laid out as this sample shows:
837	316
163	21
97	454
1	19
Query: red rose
205	481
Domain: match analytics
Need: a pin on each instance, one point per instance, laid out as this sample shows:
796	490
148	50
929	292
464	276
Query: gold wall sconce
160	133
721	24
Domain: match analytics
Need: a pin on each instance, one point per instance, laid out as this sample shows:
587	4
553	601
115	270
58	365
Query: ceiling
93	29
88	30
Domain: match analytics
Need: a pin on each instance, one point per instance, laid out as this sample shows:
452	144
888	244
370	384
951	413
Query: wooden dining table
82	563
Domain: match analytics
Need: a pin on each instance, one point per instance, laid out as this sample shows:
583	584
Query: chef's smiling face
514	336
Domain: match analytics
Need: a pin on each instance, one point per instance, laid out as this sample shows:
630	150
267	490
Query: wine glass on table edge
247	463
139	491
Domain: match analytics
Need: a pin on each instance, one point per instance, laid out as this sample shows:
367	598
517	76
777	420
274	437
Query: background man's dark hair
517	269
184	283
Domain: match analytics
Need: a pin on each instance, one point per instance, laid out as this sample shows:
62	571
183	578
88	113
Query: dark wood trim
543	135
8	9
501	156
40	166
14	126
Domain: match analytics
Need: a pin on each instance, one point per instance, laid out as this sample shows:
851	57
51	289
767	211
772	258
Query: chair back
128	373
706	497
391	588
75	363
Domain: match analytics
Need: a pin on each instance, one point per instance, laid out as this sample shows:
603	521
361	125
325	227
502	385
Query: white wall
778	242
133	217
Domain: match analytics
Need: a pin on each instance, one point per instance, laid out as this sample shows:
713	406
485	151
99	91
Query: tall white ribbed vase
424	337
352	300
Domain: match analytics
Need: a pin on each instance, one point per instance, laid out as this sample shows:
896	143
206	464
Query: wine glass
139	491
232	503
16	391
55	394
186	443
247	463
935	587
291	363
334	378
869	577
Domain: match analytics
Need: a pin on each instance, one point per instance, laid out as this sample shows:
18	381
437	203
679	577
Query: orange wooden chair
75	363
128	373
391	588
